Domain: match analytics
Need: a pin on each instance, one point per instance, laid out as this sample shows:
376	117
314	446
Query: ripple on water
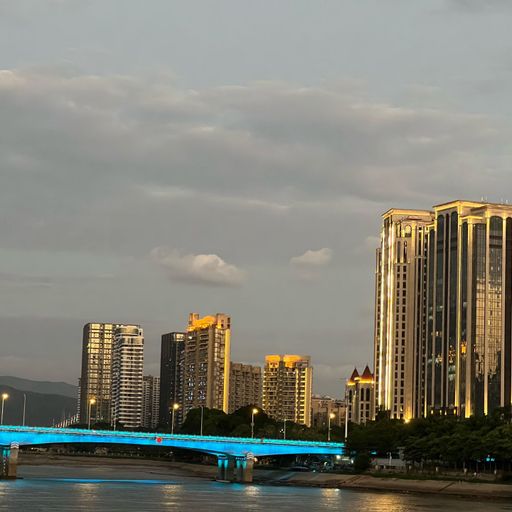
47	488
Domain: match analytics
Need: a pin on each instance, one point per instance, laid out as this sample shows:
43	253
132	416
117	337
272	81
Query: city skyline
231	161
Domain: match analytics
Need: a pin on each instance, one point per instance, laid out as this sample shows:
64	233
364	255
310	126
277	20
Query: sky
164	157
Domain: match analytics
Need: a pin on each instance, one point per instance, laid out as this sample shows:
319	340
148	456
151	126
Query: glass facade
461	288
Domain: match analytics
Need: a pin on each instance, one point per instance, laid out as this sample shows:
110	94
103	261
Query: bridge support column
9	461
244	467
225	465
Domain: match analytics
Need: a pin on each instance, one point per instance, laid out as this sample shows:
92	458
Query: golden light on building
287	387
443	335
360	396
207	362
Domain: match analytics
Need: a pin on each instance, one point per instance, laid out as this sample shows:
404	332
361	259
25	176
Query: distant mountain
42	409
51	388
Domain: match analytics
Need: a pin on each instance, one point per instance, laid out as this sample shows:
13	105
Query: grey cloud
85	144
479	5
311	258
206	269
113	166
308	265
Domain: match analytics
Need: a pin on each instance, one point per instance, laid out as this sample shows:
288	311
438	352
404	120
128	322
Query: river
126	489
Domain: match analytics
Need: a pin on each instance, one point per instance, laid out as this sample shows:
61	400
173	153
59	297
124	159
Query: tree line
448	441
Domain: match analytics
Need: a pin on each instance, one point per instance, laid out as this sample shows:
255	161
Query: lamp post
284	428
202	417
5	396
254	412
92	401
175	407
24	408
346	423
331	417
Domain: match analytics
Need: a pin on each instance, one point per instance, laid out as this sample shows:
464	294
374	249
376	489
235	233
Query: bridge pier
244	468
9	461
225	465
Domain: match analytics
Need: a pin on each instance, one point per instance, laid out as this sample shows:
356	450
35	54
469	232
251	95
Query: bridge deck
235	446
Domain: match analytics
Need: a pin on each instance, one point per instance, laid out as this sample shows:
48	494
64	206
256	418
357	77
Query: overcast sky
163	157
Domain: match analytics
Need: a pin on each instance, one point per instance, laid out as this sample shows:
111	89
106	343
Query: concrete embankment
367	482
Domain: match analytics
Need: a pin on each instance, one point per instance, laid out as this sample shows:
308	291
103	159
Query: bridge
235	455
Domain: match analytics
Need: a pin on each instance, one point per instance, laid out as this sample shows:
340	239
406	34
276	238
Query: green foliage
440	440
238	424
361	462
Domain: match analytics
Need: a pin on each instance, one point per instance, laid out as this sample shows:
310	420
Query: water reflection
83	489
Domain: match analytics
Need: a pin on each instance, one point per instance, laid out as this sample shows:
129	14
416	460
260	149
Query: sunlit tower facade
207	362
96	375
443	322
287	388
468	348
400	321
127	375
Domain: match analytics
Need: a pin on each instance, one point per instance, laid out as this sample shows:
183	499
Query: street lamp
92	401
5	396
254	411
284	428
24	408
175	407
331	417
202	418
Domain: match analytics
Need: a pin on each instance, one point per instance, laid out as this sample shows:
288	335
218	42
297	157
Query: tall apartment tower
360	396
443	328
287	388
127	375
468	347
244	386
172	363
150	401
400	322
96	375
207	361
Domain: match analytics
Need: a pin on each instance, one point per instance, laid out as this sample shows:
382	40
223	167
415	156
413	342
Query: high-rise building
207	359
96	376
458	335
322	407
400	317
244	386
172	362
287	387
127	375
150	401
468	347
360	396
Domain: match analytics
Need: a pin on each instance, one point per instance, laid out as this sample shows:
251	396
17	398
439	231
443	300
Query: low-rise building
360	396
324	406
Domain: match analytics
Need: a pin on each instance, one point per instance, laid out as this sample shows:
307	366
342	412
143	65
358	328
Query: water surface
103	488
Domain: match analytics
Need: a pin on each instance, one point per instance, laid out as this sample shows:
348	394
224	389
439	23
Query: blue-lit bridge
235	455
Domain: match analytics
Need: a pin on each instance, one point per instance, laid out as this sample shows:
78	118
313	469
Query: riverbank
368	482
164	468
